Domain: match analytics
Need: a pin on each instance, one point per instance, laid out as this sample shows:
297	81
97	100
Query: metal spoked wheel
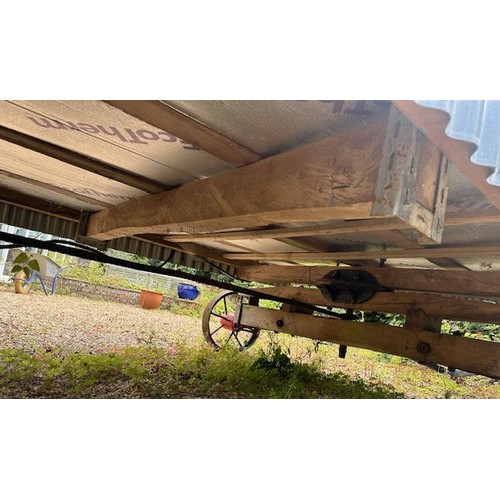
218	322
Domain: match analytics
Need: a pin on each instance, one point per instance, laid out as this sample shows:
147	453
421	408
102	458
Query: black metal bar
77	250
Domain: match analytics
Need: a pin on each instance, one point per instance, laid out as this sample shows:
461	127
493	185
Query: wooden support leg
416	321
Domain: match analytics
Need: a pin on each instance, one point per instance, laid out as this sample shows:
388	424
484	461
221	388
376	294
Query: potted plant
150	299
24	267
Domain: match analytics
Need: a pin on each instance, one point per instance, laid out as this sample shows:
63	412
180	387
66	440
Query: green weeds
185	373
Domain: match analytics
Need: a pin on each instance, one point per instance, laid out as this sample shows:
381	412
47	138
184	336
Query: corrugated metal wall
36	221
28	219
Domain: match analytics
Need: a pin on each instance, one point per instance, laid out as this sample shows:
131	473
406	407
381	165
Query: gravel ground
75	324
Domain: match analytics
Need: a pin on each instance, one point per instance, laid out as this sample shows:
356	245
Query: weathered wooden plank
432	123
449	307
200	251
314	245
333	228
336	228
472	251
81	161
472	355
331	179
474	283
165	117
402	240
417	320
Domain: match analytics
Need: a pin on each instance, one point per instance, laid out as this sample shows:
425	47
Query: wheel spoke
219	315
215	331
229	338
225	304
238	340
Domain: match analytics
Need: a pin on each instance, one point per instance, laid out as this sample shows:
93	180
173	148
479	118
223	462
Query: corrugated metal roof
477	122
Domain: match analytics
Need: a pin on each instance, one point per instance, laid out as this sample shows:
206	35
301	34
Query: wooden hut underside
277	192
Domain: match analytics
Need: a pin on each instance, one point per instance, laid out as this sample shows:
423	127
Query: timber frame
421	345
371	187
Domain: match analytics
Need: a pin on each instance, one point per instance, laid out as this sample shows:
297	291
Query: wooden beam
54	189
330	179
472	355
450	307
402	240
413	179
417	320
332	228
425	253
200	251
335	228
81	161
474	283
432	123
21	200
167	118
314	245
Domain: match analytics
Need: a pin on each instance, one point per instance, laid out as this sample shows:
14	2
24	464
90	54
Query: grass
284	368
147	372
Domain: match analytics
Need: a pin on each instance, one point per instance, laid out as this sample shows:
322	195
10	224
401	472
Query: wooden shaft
479	283
444	306
471	355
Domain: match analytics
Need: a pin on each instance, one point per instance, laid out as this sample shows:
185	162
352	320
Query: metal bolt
423	348
280	323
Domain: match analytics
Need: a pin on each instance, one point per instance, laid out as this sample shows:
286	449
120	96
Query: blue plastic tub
188	292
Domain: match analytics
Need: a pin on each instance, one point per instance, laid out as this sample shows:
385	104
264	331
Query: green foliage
482	331
389	319
178	373
26	263
277	359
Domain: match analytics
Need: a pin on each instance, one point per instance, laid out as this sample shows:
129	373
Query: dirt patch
77	324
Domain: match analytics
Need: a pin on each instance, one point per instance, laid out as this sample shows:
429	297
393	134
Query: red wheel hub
227	321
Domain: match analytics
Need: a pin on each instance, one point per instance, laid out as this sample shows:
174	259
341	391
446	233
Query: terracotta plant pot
148	299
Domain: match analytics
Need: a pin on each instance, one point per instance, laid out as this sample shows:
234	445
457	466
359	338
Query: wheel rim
218	325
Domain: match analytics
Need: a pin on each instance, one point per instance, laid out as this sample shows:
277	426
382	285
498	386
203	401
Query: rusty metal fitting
423	348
